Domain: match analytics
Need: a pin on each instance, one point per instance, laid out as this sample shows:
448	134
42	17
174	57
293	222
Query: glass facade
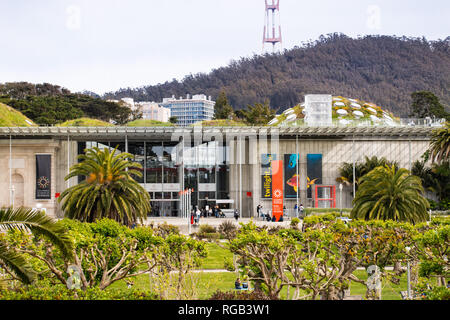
205	170
190	111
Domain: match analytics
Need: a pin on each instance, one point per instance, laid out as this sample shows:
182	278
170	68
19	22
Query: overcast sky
103	45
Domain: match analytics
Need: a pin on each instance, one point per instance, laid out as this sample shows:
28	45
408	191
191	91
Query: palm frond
38	223
17	264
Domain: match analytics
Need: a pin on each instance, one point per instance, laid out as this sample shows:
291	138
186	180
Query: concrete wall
23	172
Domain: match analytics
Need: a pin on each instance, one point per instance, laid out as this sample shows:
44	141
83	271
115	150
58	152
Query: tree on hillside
259	114
222	109
55	109
426	104
21	90
382	69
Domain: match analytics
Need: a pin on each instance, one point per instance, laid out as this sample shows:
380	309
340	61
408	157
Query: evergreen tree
426	104
222	108
259	114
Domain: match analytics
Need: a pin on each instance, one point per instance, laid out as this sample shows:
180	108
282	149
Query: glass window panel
170	164
138	156
154	156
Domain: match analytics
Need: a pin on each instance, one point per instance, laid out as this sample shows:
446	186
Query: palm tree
38	223
361	169
109	190
388	193
440	144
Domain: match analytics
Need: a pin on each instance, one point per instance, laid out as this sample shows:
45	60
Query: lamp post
408	249
341	186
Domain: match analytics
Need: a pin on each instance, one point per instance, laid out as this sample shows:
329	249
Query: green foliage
206	228
361	169
440	145
259	114
173	120
222	109
148	123
207	232
50	105
108	190
22	221
227	229
432	249
221	123
85	122
10	117
107	252
390	194
295	222
426	104
60	292
435	179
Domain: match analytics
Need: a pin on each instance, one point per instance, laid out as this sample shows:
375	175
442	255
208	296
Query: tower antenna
272	11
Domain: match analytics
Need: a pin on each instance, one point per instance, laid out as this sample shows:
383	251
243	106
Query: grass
220	123
216	257
10	117
85	122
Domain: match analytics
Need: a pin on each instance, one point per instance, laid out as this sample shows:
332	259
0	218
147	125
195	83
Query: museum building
226	166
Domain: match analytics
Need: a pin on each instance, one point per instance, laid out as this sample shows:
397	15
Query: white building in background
153	111
190	110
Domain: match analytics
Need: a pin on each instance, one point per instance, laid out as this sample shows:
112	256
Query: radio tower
270	23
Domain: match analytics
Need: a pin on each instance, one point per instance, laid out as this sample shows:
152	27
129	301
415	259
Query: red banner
277	189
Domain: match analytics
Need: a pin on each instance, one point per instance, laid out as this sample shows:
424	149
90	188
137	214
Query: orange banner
277	189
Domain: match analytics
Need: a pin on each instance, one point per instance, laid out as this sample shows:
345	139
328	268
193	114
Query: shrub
59	292
295	222
164	230
206	228
228	229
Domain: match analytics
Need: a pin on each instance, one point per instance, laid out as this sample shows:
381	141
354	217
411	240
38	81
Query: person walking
301	211
236	214
197	216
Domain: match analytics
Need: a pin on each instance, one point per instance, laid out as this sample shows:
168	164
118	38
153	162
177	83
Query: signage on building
266	175
291	176
313	171
43	177
277	189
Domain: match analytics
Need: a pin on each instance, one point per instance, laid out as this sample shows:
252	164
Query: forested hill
382	69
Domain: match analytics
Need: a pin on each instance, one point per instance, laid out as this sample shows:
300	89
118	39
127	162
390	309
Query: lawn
216	256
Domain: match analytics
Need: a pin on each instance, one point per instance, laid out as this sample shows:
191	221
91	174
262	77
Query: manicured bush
59	292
